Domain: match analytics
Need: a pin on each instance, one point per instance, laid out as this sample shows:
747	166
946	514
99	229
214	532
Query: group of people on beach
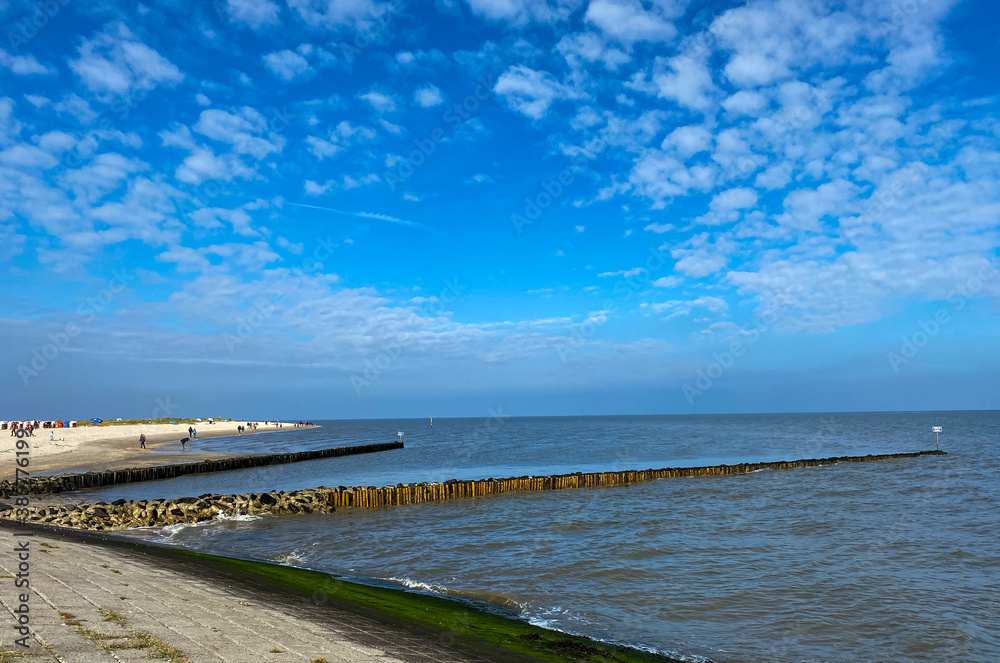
30	428
193	432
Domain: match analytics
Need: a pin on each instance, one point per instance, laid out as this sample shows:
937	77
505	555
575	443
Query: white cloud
428	97
684	307
394	129
685	79
286	65
775	177
745	102
316	189
342	136
635	271
667	281
360	14
771	38
115	62
202	100
322	148
254	13
27	156
202	164
688	140
726	206
699	256
733	199
520	12
77	107
23	65
805	207
531	92
246	131
627	21
105	173
291	247
661	177
587	47
213	217
36	100
380	102
56	142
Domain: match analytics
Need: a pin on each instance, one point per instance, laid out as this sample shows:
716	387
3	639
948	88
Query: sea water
894	560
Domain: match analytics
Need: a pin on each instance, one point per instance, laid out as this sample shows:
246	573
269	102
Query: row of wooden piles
416	493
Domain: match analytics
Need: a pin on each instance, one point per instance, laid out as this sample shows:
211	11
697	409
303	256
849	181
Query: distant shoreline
112	447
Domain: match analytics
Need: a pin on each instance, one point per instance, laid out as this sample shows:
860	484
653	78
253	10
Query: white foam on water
292	558
555	617
239	517
413	584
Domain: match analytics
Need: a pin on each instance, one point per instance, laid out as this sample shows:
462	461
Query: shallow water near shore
895	560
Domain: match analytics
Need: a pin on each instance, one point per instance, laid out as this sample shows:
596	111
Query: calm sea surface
896	560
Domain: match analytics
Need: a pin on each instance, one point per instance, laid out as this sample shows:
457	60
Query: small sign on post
937	430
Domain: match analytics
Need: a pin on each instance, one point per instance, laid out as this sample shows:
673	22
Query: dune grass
160	420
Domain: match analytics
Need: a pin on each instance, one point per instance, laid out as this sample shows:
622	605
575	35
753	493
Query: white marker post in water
937	430
400	434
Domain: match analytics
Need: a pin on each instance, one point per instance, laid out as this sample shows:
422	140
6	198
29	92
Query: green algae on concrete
458	624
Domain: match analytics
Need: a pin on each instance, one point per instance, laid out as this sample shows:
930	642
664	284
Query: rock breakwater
123	514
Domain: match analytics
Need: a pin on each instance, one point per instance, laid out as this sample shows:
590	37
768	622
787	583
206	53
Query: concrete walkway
205	618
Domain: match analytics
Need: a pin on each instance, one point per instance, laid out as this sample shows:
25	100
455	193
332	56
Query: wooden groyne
124	514
69	482
416	493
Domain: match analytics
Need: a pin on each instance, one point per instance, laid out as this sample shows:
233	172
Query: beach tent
95	420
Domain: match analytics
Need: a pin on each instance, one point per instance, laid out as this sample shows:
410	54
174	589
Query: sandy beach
117	446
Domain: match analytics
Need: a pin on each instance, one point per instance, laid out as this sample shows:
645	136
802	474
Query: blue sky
363	209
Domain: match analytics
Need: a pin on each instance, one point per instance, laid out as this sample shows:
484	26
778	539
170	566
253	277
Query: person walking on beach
190	431
194	433
142	440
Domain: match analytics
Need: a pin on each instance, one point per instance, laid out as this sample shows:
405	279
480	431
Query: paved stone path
206	619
